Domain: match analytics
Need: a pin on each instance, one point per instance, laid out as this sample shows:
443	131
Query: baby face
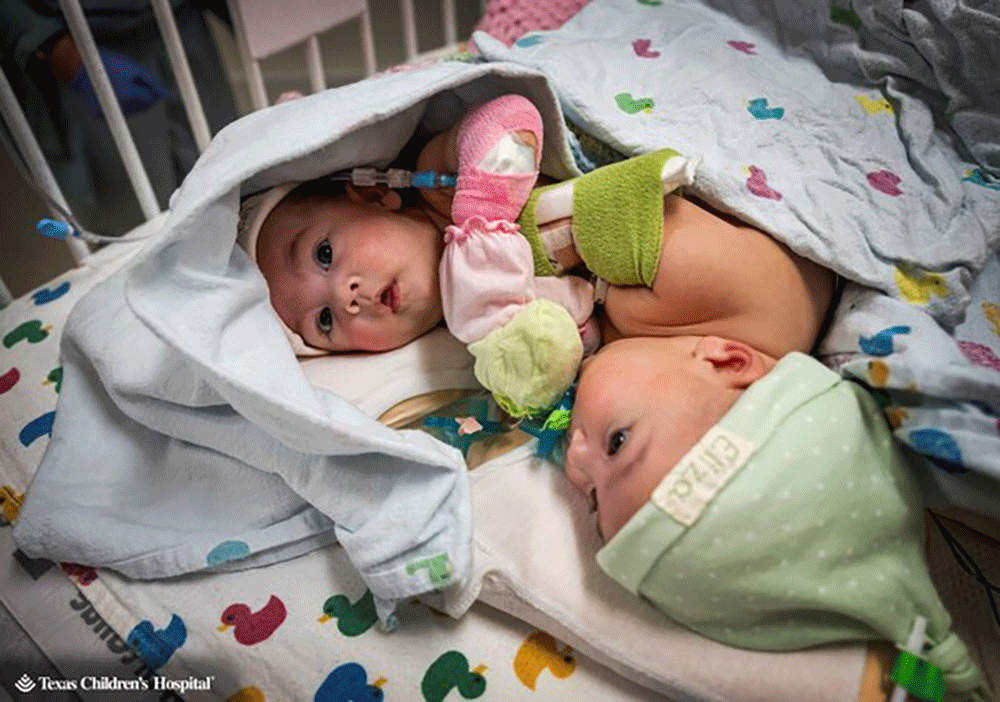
641	404
351	276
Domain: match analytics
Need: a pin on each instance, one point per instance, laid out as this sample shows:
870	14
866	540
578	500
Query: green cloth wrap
530	362
529	229
617	220
794	522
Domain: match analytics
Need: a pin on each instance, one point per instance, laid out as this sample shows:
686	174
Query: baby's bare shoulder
720	276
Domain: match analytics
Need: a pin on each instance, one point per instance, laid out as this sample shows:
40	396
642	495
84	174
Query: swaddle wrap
794	522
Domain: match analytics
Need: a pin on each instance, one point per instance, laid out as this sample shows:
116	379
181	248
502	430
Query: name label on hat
701	474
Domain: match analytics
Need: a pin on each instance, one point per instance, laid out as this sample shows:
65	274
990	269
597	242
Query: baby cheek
367	338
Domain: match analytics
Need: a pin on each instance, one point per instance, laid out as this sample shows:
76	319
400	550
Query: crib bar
32	154
367	42
450	26
182	73
409	29
258	93
314	64
109	104
255	79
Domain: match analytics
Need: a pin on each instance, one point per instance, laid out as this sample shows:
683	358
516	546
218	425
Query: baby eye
325	320
616	441
324	254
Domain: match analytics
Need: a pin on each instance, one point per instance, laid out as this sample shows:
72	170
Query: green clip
921	679
558	419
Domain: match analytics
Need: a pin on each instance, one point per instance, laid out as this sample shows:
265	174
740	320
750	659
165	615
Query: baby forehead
313	204
302	211
631	356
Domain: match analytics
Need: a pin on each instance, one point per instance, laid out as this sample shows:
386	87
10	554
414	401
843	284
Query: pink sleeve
487	276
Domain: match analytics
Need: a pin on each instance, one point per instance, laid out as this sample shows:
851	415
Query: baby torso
721	277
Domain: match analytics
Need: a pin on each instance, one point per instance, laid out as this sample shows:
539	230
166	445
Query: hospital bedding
110	607
865	348
278	644
299	624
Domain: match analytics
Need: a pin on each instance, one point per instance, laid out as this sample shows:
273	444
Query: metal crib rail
109	104
35	161
32	154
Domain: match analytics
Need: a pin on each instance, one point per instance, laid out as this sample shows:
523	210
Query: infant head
641	404
351	272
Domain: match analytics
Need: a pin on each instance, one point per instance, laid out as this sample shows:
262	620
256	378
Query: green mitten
617	216
530	362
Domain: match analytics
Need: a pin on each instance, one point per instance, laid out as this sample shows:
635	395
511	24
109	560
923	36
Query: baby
682	351
762	503
356	270
641	404
352	271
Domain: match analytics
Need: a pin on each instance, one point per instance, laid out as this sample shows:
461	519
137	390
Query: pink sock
494	196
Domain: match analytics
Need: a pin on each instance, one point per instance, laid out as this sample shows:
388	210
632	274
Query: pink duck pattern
250	627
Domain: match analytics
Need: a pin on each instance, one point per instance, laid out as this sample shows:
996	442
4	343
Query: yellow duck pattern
918	286
874	107
247	694
878	371
992	313
10	504
541	652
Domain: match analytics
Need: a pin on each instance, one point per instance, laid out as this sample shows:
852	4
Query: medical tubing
395	178
360	177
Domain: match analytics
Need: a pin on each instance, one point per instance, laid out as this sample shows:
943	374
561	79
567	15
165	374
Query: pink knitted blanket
507	20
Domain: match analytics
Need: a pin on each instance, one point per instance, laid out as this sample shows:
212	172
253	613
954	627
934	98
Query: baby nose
576	457
351	295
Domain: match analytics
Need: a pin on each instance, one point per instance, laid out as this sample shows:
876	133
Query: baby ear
376	195
739	365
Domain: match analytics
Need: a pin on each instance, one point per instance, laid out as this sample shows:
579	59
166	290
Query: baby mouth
390	297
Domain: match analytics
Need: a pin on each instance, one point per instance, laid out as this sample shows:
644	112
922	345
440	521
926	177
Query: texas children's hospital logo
110	683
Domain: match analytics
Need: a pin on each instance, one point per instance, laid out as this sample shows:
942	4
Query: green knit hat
794	522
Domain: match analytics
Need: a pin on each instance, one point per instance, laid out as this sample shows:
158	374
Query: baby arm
614	215
525	331
719	276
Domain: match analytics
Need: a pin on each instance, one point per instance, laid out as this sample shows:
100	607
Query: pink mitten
528	333
496	173
487	276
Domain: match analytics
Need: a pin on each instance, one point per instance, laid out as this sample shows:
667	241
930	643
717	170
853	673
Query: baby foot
499	150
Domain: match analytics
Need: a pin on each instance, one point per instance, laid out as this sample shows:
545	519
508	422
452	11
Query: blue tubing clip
432	179
54	229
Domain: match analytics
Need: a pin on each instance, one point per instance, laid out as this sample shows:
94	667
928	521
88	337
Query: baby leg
499	147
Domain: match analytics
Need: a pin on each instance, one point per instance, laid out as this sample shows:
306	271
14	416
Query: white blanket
187	436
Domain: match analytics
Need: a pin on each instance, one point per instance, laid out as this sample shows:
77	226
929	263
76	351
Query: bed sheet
300	629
